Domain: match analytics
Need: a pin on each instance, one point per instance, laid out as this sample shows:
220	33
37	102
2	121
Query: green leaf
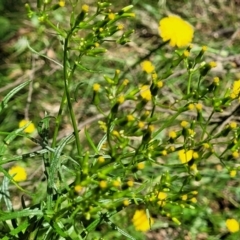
7	140
91	227
86	69
6	99
90	141
6	195
55	161
58	226
124	233
20	228
19	214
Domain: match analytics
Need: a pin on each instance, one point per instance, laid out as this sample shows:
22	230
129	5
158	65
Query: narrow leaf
11	94
90	141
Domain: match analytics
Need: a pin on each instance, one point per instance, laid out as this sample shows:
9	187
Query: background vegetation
25	50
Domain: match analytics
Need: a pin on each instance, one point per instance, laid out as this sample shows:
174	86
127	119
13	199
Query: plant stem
189	82
66	85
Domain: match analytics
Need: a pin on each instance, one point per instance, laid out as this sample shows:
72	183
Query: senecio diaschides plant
152	148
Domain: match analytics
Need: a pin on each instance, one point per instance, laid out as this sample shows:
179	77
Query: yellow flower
232	225
141	124
140	165
78	188
195	155
216	80
116	183
103	184
235	89
61	3
194	168
120	99
19	173
233	173
146	93
141	222
199	106
212	64
172	134
193	200
191	106
235	154
160	84
30	128
233	125
147	66
206	145
184	124
130	183
162	196
151	128
164	153
130	118
111	16
85	8
96	87
120	26
186	53
185	156
126	202
101	159
179	32
184	197
204	48
125	82
194	192
115	133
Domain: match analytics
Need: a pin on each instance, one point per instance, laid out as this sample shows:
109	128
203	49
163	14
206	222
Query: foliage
151	146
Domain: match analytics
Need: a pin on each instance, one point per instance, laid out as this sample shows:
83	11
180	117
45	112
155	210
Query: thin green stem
189	82
55	28
66	85
60	112
58	120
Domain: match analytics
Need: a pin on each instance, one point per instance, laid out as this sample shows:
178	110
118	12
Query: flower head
172	134
162	196
232	225
111	16
141	221
85	8
233	173
179	32
61	3
96	87
19	174
30	128
103	184
185	156
235	89
78	188
146	93
147	66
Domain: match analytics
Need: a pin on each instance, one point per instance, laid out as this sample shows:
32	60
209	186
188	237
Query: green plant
91	179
